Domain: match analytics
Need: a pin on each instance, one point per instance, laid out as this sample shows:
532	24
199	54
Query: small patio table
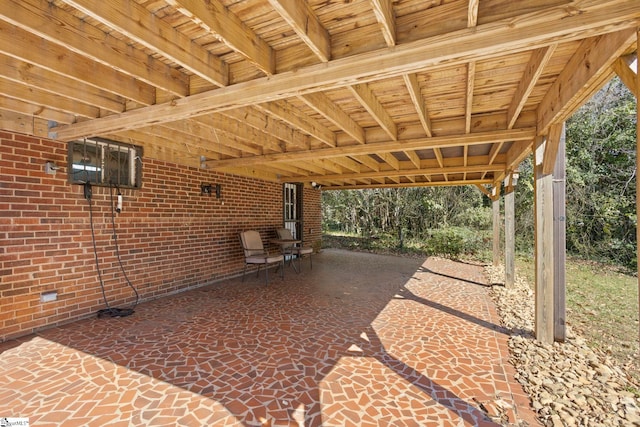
284	244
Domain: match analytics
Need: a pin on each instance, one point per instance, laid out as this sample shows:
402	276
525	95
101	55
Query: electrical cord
115	239
108	311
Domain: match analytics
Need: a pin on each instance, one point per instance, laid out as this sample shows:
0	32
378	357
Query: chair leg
282	273
310	262
266	275
244	271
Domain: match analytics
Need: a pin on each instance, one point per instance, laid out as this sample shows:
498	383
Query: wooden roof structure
346	93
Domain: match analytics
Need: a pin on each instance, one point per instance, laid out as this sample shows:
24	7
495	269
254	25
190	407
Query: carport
361	340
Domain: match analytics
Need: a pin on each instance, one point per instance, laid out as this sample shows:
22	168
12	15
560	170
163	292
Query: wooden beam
472	13
543	249
368	161
426	183
266	124
383	9
53	24
495	210
138	24
385	147
413	157
573	86
529	31
483	190
42	79
551	148
413	86
324	106
230	30
288	114
24	46
559	242
305	23
29	109
637	84
45	99
509	237
398	172
539	59
471	78
438	153
369	101
626	74
392	161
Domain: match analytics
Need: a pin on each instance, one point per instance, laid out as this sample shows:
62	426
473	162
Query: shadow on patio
360	340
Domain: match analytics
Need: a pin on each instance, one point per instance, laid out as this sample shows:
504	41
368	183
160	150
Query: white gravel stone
569	383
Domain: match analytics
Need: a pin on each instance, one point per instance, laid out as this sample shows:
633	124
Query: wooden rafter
532	30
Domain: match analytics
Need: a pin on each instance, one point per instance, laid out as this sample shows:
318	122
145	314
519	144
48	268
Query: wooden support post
559	242
543	247
495	197
637	164
509	238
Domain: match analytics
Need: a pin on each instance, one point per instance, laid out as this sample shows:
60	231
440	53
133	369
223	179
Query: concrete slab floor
360	340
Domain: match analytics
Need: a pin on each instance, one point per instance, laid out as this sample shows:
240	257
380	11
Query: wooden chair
254	253
294	249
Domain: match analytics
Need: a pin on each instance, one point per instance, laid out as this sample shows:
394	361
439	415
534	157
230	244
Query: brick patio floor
360	340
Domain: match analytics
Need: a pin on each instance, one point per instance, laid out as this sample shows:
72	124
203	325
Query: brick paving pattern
360	340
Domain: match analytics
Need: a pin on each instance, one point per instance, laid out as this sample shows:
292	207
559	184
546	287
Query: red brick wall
170	236
312	218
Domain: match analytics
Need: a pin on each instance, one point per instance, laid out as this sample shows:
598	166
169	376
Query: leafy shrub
452	242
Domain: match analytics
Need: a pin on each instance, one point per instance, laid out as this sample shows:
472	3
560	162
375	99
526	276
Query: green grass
602	307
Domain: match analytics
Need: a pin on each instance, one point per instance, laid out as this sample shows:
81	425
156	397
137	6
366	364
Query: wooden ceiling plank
26	47
383	9
413	86
57	26
138	24
389	146
626	73
25	73
365	96
305	23
594	57
230	30
533	71
285	112
44	99
324	106
529	31
22	107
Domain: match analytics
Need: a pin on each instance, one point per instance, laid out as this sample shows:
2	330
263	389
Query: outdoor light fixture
206	189
512	179
50	167
316	185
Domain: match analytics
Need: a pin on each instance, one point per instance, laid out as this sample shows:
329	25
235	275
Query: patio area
360	340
